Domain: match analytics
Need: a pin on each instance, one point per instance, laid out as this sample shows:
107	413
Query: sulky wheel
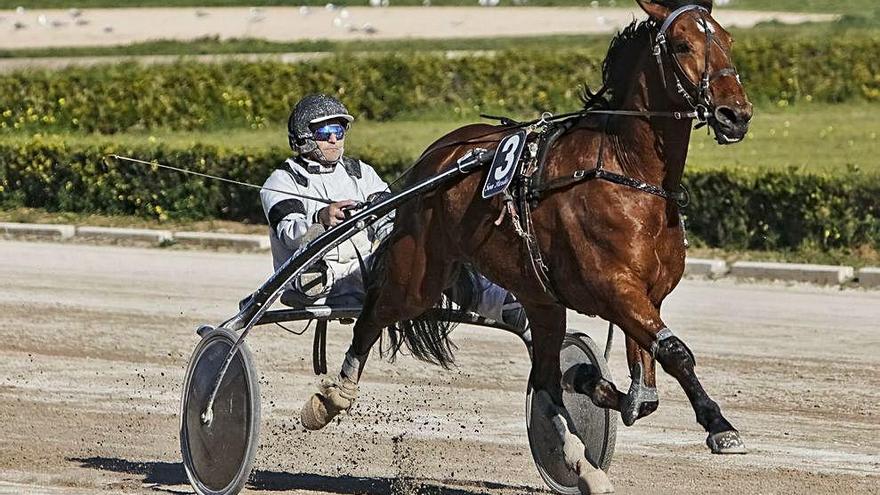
218	454
596	427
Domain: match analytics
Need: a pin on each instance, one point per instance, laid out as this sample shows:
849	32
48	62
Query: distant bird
330	7
19	10
201	13
74	13
304	10
255	15
82	22
19	25
369	29
343	13
42	20
57	24
108	29
375	3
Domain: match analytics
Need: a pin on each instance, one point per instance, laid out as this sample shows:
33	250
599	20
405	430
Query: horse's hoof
641	400
726	442
631	411
593	481
315	414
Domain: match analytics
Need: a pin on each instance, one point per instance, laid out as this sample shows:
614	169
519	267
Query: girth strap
681	198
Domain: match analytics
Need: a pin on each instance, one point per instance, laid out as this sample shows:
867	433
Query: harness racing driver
317	128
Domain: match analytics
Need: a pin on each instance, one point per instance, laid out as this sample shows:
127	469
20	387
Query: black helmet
309	110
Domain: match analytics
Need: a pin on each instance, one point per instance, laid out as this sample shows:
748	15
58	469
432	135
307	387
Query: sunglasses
323	133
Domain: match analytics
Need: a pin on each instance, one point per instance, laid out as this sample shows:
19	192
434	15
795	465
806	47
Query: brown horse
612	246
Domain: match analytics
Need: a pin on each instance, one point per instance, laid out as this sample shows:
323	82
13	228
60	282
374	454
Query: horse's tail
427	339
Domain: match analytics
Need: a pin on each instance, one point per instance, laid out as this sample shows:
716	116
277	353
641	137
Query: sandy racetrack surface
95	341
44	28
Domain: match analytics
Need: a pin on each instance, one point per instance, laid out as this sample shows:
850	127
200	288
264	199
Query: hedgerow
189	96
732	208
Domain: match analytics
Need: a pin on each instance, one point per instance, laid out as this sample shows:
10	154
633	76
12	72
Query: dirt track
95	340
43	28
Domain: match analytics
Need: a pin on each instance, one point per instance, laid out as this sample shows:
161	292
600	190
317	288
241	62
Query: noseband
697	95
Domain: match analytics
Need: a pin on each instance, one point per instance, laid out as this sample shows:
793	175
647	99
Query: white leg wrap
351	367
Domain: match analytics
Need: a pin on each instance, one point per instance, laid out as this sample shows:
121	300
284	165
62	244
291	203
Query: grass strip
812	137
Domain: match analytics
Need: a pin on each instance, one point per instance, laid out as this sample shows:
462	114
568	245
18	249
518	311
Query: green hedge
50	173
742	209
730	208
189	95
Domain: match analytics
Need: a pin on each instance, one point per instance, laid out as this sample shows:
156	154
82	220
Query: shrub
731	208
189	96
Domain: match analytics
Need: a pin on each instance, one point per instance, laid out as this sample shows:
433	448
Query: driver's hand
332	214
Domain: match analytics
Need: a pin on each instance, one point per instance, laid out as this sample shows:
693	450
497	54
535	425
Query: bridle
696	95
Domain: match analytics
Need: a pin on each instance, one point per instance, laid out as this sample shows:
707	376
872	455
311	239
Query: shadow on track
165	474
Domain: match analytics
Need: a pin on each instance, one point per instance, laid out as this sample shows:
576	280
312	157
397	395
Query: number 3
509	150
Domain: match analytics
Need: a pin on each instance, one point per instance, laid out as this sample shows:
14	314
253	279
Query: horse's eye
682	48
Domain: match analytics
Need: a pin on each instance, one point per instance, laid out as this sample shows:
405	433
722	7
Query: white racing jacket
289	216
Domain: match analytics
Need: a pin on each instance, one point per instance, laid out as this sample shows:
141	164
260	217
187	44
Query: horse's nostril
727	116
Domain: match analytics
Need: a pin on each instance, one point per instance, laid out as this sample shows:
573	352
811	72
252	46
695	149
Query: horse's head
693	54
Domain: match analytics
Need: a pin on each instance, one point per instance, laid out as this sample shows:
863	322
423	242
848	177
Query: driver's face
333	147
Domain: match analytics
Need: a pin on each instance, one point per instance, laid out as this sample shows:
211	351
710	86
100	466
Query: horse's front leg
641	321
548	331
642	398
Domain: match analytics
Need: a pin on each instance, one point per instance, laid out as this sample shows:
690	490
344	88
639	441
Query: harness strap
680	198
319	348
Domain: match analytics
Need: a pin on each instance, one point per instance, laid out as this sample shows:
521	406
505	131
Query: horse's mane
617	67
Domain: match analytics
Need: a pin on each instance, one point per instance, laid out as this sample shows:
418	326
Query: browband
676	14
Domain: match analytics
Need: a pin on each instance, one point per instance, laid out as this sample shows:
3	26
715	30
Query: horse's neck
652	149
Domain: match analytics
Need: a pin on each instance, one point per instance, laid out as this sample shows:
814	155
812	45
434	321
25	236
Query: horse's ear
655	10
706	4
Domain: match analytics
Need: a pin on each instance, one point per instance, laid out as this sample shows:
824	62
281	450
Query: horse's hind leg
641	321
641	399
548	331
408	281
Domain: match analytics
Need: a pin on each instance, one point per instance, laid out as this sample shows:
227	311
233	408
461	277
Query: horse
608	243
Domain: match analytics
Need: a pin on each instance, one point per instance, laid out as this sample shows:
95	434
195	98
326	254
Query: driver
317	128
